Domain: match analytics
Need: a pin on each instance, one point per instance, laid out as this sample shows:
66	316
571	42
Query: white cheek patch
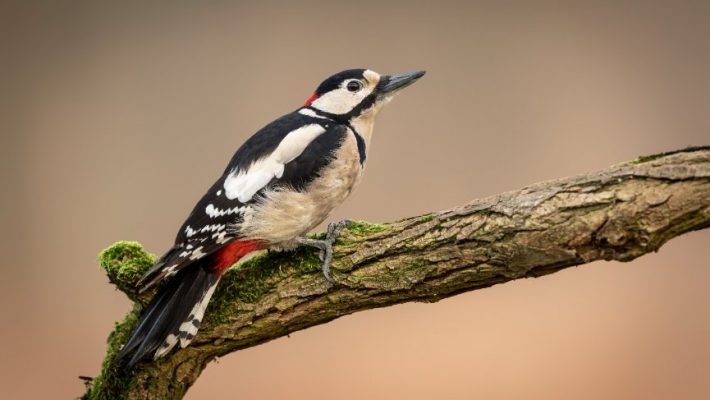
242	185
340	101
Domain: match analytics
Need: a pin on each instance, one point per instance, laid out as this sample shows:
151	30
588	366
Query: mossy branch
619	213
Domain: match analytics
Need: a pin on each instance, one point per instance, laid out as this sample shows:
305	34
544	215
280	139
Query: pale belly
284	215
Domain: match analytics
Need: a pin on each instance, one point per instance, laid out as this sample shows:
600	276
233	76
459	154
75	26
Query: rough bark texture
618	214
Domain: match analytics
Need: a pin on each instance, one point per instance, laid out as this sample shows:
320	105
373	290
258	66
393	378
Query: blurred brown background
118	117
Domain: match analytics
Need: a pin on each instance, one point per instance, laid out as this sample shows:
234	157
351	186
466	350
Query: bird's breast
283	214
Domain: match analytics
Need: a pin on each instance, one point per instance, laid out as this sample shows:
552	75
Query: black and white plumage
281	183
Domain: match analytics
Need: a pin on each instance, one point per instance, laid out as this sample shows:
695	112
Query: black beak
391	83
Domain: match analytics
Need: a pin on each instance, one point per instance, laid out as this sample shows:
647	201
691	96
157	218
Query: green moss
246	283
426	218
111	377
125	262
645	159
365	228
249	281
359	228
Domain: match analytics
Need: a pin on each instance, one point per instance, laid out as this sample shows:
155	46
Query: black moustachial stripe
360	144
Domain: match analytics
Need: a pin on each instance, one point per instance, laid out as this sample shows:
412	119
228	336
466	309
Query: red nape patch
233	252
310	100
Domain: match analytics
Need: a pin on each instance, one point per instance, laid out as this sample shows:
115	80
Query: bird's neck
364	126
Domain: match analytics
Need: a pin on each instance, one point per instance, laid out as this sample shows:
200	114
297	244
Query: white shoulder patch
242	185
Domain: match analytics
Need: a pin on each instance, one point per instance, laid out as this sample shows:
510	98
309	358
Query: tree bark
619	213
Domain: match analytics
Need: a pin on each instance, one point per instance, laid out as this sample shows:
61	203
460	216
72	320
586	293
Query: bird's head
357	92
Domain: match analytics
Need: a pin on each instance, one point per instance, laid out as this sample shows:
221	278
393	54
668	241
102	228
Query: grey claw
326	245
326	273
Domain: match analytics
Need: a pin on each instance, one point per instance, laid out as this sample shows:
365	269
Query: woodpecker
281	183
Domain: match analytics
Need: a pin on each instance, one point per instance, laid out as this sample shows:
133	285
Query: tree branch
619	213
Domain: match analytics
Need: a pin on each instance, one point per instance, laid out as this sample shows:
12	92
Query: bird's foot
326	245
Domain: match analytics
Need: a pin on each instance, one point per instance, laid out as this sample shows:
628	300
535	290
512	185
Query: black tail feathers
174	314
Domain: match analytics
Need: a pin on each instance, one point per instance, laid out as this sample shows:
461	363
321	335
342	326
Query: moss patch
125	262
364	228
111	376
426	218
249	281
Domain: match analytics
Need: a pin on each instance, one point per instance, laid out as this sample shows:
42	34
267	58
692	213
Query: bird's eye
354	86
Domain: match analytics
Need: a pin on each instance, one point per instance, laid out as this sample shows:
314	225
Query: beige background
118	117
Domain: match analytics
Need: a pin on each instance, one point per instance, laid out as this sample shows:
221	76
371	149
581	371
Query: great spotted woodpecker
281	183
